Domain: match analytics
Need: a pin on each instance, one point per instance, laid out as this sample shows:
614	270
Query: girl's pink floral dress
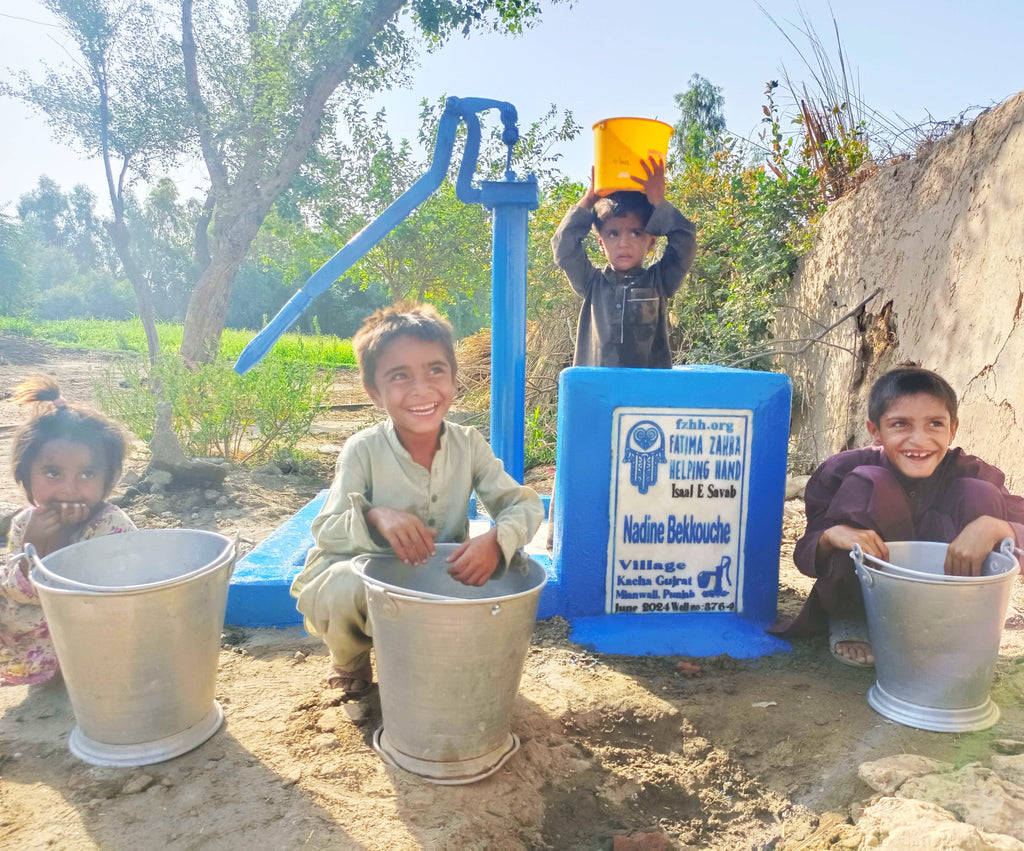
26	653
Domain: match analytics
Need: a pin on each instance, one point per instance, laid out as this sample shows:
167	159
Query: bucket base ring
446	773
146	753
932	718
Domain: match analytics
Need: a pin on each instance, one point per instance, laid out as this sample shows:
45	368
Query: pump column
510	202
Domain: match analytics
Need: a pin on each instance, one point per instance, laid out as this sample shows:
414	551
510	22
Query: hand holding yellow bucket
620	144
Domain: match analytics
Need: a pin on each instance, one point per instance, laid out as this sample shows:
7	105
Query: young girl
68	459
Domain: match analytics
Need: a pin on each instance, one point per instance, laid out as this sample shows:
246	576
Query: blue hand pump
510	201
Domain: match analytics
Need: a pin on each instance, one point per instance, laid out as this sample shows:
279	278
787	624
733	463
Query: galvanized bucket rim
56	584
360	563
907	574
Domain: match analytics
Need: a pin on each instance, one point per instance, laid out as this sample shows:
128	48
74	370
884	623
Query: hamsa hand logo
645	450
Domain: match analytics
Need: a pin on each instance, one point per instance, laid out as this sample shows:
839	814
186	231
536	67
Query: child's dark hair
403	319
620	204
56	419
908	381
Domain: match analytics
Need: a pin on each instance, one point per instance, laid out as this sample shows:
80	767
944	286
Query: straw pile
549	348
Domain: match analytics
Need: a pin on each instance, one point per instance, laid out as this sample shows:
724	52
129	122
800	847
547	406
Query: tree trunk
241	200
122	245
211	298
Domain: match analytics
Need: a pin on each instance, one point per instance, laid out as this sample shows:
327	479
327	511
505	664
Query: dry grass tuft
549	349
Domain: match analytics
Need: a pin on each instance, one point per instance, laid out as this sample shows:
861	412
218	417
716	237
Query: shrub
243	418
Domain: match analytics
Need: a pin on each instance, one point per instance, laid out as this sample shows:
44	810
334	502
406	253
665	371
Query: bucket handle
36	564
359	564
227	554
858	555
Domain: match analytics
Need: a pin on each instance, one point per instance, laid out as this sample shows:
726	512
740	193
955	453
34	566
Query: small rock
1007	746
137	783
325	742
886	775
212	494
329	720
891	824
653	841
795	486
1010	767
976	795
358	712
159	479
299	656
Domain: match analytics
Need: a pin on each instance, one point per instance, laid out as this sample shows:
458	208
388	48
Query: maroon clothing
861	488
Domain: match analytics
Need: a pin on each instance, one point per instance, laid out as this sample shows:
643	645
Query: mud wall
923	263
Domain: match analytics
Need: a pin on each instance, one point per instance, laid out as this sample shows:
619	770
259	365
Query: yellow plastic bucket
619	146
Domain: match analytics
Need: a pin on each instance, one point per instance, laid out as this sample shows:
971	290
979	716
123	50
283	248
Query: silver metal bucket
449	660
935	637
136	621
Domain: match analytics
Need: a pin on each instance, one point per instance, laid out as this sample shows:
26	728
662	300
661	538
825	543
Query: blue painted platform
258	595
668	635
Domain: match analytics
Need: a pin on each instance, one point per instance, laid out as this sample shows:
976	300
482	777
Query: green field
108	335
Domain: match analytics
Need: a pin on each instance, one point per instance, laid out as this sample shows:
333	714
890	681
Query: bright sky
605	58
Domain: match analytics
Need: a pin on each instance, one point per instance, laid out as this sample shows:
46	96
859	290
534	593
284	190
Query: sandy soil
617	751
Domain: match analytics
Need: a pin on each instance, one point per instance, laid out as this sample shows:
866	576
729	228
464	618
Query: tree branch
808	342
216	169
323	86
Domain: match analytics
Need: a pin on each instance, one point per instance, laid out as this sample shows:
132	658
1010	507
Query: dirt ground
616	751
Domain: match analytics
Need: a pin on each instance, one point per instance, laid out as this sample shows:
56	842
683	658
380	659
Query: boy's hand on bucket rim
967	552
407	535
840	537
474	561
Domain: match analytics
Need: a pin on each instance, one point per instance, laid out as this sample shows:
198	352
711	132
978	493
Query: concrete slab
258	594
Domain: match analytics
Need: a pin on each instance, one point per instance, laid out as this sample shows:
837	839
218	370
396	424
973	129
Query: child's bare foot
848	641
857	652
355	684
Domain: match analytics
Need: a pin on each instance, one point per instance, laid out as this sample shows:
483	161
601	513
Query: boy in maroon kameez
908	486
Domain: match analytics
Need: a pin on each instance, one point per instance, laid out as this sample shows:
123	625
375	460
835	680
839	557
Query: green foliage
129	336
95	294
753	221
216	411
441	253
540	441
15	286
701	125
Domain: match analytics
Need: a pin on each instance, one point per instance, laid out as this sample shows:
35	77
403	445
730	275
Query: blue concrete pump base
670	635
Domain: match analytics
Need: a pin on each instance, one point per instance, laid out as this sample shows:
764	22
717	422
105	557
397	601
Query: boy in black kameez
624	318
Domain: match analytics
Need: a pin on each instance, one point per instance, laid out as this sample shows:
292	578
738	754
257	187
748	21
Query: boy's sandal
848	629
354	684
